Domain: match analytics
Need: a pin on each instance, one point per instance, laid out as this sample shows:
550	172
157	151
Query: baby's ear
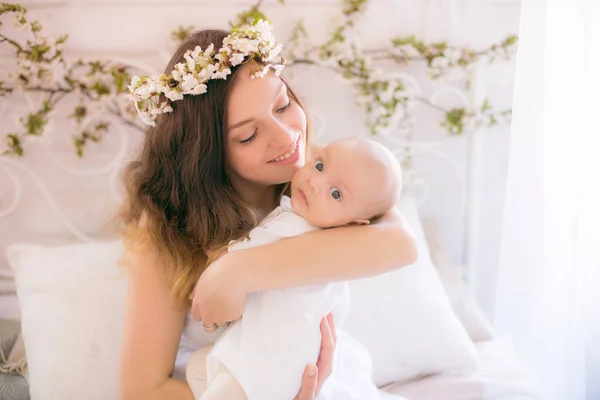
360	222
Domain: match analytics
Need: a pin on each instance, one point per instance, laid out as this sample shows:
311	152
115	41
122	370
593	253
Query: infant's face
335	187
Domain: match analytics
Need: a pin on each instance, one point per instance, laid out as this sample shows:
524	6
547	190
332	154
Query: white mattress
502	375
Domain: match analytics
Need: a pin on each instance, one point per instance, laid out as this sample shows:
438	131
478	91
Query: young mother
210	168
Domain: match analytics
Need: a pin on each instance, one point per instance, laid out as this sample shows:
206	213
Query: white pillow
72	305
405	320
461	298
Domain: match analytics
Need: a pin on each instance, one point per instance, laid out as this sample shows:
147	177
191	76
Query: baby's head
348	181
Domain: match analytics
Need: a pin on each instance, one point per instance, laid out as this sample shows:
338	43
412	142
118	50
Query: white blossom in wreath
251	41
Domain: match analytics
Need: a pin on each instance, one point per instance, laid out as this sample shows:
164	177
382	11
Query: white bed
73	340
501	375
55	326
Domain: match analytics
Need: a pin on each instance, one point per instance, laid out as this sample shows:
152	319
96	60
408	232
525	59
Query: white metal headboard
17	169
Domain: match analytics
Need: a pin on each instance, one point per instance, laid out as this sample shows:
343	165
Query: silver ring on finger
209	329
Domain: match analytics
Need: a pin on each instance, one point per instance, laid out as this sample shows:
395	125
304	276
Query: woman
210	169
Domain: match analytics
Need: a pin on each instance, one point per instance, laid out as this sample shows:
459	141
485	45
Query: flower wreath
250	41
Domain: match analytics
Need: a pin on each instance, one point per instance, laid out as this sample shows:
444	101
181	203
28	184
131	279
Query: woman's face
266	131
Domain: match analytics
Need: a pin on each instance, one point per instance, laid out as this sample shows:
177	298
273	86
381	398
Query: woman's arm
153	327
330	255
318	257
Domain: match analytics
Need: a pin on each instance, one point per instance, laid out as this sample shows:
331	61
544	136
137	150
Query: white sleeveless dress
192	339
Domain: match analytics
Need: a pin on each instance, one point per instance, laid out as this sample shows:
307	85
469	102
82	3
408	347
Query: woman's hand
315	375
220	294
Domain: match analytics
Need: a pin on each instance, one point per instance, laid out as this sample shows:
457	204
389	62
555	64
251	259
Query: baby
263	355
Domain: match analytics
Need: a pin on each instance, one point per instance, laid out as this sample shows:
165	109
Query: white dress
279	335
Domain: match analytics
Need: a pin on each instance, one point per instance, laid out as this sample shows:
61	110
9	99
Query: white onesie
263	355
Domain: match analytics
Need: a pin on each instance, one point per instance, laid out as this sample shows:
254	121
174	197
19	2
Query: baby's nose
313	182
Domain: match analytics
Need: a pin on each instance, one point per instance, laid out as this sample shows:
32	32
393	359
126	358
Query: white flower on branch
189	83
407	51
452	56
440	63
236	59
174	95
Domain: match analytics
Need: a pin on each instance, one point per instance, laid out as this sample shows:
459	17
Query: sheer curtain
549	275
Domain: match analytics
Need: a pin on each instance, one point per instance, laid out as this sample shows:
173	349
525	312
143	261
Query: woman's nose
283	137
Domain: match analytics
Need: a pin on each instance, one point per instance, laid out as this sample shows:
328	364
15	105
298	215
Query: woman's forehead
258	91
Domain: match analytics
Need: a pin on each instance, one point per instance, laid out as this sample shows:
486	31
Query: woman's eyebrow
246	121
241	123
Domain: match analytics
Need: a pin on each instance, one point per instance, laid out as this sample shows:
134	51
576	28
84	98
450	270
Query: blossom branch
387	101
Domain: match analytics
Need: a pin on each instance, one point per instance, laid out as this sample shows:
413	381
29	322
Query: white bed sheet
9	306
502	376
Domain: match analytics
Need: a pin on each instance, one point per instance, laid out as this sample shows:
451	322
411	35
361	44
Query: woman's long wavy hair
179	184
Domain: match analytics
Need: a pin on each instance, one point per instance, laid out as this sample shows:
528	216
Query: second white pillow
405	320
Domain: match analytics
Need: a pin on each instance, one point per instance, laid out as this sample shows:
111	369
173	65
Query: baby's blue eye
319	166
336	194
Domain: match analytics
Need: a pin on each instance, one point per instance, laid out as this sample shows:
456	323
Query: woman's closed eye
250	138
282	109
253	136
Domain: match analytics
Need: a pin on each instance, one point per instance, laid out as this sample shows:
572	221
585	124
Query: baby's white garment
279	333
224	386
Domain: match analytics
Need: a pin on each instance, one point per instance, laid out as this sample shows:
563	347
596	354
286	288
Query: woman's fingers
325	361
332	327
195	308
208	327
309	383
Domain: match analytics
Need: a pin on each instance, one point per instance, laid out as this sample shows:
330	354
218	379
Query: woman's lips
290	156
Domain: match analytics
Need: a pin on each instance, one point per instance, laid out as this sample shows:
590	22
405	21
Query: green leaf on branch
94	135
100	88
37	52
79	114
95	67
454	120
486	105
248	17
62	39
8	7
36	26
34	123
182	33
509	41
14	145
411	40
353	6
102	126
120	78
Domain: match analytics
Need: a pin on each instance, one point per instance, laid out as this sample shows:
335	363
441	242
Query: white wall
139	30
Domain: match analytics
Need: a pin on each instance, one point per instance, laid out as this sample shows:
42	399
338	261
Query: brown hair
179	184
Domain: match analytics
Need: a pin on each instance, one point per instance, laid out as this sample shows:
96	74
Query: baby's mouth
303	196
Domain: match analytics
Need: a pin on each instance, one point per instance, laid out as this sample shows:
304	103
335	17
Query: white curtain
548	294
